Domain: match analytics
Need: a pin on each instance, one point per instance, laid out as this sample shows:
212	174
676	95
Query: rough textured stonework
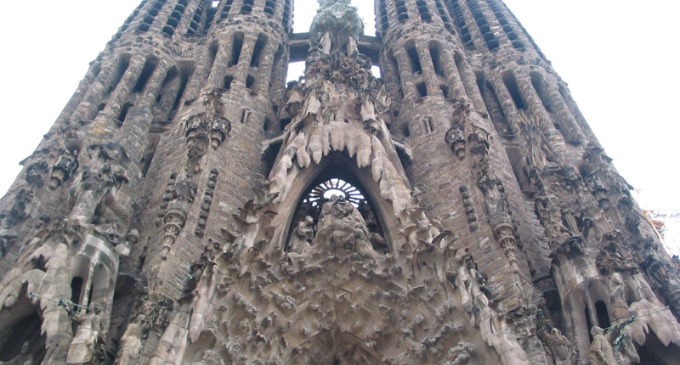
187	207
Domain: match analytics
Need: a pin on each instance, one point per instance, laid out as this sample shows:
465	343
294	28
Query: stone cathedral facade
189	207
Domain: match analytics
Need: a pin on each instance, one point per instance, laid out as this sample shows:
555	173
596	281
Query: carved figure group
342	226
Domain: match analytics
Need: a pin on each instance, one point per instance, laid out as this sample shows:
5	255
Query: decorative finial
338	19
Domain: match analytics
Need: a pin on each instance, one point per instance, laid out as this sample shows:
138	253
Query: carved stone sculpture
131	344
87	338
601	351
561	347
342	227
65	167
186	191
302	236
615	256
455	138
103	169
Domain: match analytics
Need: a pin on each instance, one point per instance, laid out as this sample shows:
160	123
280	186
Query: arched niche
80	272
336	165
577	321
21	338
654	351
599	303
324	187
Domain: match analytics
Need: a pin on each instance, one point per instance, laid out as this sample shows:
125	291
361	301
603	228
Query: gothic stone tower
187	207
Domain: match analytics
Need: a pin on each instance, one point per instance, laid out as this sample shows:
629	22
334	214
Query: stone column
427	67
120	94
564	114
80	93
187	17
266	68
97	90
507	105
405	74
153	86
243	66
162	17
470	82
201	73
473	28
219	65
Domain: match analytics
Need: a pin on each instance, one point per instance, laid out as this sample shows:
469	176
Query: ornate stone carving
551	219
456	139
388	278
573	247
167	197
601	351
504	231
64	168
181	196
342	227
667	284
123	248
335	24
36	171
131	344
206	203
86	345
614	255
103	171
19	209
560	347
303	235
155	316
204	129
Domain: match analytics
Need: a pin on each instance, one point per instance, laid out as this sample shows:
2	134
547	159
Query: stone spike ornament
189	208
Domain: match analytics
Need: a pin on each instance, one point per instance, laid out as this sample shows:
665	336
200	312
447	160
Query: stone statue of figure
131	344
601	351
342	226
82	350
560	346
103	172
24	358
302	236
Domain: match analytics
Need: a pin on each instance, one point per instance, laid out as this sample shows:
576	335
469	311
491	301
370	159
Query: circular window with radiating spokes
334	187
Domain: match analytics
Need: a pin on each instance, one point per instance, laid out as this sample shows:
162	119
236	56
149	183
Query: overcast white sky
619	58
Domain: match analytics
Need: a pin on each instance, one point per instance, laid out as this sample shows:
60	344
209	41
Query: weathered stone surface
188	207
